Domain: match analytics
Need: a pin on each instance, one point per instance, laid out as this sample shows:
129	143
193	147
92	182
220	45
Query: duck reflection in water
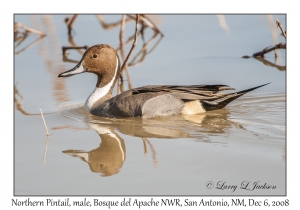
109	157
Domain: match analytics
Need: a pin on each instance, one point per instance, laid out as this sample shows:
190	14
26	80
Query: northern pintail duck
147	101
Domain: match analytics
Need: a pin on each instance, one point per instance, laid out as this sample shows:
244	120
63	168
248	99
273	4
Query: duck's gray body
154	100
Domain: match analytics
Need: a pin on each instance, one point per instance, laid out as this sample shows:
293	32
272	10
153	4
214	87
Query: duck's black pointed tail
219	103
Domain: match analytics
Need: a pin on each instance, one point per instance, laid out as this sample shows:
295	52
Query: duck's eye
95	56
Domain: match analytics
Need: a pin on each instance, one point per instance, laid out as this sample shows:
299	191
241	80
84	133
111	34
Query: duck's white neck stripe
98	93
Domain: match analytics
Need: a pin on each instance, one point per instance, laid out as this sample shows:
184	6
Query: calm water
240	145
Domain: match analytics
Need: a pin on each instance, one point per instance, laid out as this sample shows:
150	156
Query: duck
147	101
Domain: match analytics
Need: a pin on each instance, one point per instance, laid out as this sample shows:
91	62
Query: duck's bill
78	69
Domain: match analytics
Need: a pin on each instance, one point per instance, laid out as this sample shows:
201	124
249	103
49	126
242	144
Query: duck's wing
170	99
175	98
196	89
186	93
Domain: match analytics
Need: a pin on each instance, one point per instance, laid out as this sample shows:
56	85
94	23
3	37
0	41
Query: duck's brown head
101	60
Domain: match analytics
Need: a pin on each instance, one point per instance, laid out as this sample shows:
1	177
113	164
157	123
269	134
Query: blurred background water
175	155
